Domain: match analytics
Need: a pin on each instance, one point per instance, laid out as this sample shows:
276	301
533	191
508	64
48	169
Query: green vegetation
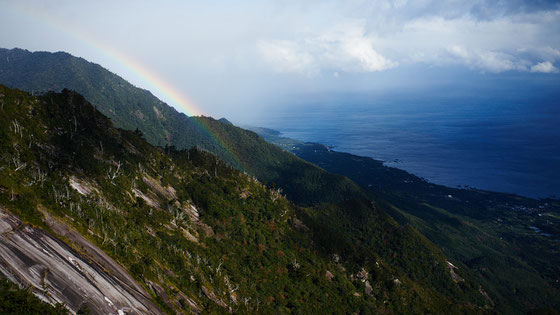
508	243
15	300
488	236
132	108
197	227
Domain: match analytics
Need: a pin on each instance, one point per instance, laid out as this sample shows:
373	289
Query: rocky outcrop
58	274
210	295
452	271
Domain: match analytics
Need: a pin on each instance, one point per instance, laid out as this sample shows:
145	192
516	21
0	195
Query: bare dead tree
55	193
230	286
39	176
17	128
275	194
114	174
177	213
30	141
18	163
295	264
219	266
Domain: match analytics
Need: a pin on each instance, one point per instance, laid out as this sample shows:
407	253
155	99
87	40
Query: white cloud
286	56
348	48
234	45
344	47
486	60
503	43
399	33
544	67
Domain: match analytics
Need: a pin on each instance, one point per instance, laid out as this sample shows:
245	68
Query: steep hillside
133	108
509	243
128	106
189	233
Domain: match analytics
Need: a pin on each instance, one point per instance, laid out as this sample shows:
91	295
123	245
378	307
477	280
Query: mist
241	60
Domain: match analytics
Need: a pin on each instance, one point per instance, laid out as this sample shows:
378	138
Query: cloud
235	46
344	47
544	67
504	43
379	35
487	60
348	48
286	56
490	8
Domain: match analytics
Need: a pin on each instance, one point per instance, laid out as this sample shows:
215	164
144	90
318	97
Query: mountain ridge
119	100
196	233
337	212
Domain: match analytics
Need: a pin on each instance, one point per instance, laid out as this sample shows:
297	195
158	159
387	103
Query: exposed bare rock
81	186
159	291
207	229
189	236
158	114
149	201
368	289
210	295
181	302
93	252
139	114
454	276
131	148
191	211
363	275
188	302
58	274
244	193
486	296
335	258
168	192
298	224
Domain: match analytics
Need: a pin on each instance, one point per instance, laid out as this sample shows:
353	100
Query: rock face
454	276
58	274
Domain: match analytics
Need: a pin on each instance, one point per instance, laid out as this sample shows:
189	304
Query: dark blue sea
503	144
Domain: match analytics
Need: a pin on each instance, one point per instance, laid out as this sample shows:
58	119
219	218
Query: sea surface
505	145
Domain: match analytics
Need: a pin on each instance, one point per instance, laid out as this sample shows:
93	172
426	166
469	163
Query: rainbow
158	85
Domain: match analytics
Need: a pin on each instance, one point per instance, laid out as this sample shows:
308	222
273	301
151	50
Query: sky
240	59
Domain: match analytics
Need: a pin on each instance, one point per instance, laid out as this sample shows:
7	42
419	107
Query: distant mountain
96	218
133	108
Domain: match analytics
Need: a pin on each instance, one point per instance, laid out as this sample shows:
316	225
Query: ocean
505	145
